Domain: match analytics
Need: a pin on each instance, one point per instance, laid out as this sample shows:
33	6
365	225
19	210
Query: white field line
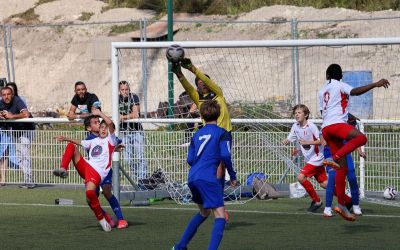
195	209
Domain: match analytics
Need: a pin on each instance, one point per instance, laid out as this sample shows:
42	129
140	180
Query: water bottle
61	201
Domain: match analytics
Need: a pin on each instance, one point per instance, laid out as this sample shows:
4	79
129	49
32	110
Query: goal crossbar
258	43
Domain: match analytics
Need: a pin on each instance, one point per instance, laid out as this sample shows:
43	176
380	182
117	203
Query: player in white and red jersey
307	135
94	170
334	99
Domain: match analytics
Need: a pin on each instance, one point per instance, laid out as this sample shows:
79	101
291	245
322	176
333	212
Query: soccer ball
175	53
389	193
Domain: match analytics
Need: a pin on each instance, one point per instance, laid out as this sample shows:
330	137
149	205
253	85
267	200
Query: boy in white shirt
307	134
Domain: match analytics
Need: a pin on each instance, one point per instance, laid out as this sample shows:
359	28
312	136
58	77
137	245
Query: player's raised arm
108	121
187	64
63	138
363	89
190	90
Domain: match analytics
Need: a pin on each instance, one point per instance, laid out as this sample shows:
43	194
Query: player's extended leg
218	228
354	140
192	227
71	153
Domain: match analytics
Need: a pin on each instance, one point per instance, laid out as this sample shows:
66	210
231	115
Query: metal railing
257	151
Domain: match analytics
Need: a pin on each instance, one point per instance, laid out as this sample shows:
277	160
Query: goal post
260	85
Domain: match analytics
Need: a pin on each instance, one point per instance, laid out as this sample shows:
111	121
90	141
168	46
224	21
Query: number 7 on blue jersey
206	138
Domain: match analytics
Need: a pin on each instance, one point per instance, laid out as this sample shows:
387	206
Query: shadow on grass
238	224
361	228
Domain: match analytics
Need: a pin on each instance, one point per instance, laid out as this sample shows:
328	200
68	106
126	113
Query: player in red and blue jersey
333	98
209	146
94	170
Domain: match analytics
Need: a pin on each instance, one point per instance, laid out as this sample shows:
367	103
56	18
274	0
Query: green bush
119	29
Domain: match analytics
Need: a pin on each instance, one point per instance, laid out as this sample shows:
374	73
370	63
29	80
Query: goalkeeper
206	89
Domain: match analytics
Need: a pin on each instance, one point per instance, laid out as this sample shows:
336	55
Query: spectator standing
12	107
133	137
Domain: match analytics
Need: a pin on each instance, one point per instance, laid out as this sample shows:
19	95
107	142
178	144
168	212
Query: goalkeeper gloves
186	63
176	68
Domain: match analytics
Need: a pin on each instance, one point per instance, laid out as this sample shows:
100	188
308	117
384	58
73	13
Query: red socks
340	184
67	156
94	204
350	146
347	199
310	190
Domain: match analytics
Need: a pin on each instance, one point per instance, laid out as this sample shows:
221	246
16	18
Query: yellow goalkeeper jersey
224	120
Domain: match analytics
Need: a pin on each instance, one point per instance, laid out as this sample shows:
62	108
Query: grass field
30	220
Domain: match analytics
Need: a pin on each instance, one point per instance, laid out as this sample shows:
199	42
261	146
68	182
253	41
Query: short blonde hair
304	108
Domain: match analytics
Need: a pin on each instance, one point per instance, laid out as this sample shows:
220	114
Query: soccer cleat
122	224
349	205
331	163
344	212
104	225
61	172
109	220
357	210
328	212
314	206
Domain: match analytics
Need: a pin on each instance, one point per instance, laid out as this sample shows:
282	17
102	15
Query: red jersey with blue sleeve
208	147
100	153
333	102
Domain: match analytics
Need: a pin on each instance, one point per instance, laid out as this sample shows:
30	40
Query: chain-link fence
45	60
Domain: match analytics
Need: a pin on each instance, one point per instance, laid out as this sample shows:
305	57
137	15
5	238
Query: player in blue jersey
351	178
208	147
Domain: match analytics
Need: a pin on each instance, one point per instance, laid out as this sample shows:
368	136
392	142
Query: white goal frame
115	46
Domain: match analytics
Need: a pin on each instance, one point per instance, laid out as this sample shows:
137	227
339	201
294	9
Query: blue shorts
108	179
208	194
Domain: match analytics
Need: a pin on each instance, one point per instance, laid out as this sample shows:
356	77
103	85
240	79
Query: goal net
261	82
